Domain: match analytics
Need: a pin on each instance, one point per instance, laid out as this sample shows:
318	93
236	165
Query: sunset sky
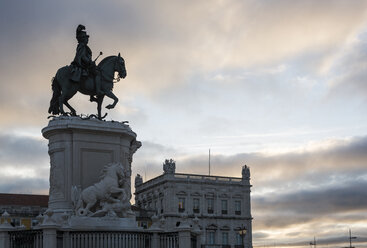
278	85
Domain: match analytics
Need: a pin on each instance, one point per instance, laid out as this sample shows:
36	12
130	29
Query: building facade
24	210
222	204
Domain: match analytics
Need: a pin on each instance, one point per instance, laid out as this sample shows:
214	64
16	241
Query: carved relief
57	175
108	197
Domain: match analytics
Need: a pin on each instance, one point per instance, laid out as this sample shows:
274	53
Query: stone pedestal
79	149
103	224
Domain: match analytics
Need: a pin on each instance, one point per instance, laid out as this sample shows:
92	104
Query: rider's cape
82	61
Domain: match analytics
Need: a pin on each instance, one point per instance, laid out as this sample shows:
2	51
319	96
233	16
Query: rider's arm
86	60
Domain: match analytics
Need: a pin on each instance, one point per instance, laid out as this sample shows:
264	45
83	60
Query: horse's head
113	169
120	66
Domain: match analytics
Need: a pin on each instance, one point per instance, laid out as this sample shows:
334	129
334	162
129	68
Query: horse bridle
116	67
117	61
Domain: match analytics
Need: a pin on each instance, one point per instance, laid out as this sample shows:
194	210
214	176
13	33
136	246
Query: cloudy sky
277	85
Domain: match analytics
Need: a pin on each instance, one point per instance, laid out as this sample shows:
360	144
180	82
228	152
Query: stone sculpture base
103	223
79	150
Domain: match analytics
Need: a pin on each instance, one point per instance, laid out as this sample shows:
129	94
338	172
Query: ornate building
222	204
22	209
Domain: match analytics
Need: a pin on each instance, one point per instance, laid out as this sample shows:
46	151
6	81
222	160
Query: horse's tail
54	103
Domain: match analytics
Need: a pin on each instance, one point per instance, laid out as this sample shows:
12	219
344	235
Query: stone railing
193	177
53	237
111	239
25	238
168	240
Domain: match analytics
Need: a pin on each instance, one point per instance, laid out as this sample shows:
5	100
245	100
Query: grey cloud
24	185
342	162
346	197
348	74
343	156
149	158
259	235
343	240
151	151
22	150
164	42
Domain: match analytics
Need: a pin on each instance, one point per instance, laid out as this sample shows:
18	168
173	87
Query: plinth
79	150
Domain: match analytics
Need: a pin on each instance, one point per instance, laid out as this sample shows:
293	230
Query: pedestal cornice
70	124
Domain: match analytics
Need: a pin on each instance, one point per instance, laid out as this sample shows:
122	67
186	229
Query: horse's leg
115	99
64	98
89	205
99	105
73	112
61	103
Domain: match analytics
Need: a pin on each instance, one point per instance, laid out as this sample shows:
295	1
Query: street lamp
314	243
242	232
350	239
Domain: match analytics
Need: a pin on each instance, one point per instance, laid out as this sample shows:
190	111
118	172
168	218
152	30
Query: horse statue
64	89
108	189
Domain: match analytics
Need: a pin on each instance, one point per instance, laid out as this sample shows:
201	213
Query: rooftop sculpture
84	76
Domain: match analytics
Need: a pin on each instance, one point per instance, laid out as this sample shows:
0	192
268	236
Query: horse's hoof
109	106
93	99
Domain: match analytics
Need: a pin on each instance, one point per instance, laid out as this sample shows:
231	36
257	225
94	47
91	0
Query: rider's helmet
80	33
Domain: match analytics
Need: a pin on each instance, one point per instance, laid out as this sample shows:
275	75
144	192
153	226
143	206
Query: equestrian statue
85	76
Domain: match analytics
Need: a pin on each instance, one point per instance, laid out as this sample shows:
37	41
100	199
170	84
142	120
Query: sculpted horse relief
106	197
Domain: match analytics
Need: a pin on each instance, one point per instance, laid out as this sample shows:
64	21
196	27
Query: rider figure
83	65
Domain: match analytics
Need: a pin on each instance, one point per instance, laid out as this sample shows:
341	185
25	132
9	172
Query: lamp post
350	239
313	243
242	232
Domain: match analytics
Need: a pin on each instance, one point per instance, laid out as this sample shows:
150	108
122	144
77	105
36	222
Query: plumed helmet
80	33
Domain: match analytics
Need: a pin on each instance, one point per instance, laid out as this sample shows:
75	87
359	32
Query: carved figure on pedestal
84	76
108	195
169	166
246	172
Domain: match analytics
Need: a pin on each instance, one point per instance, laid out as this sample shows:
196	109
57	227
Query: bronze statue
84	76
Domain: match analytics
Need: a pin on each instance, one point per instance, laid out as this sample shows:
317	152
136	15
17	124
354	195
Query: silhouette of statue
83	65
84	76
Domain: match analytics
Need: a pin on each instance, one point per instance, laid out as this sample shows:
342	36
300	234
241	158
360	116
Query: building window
224	238
237	207
210	205
196	205
155	205
35	222
15	222
181	204
144	224
238	239
161	205
211	237
224	206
